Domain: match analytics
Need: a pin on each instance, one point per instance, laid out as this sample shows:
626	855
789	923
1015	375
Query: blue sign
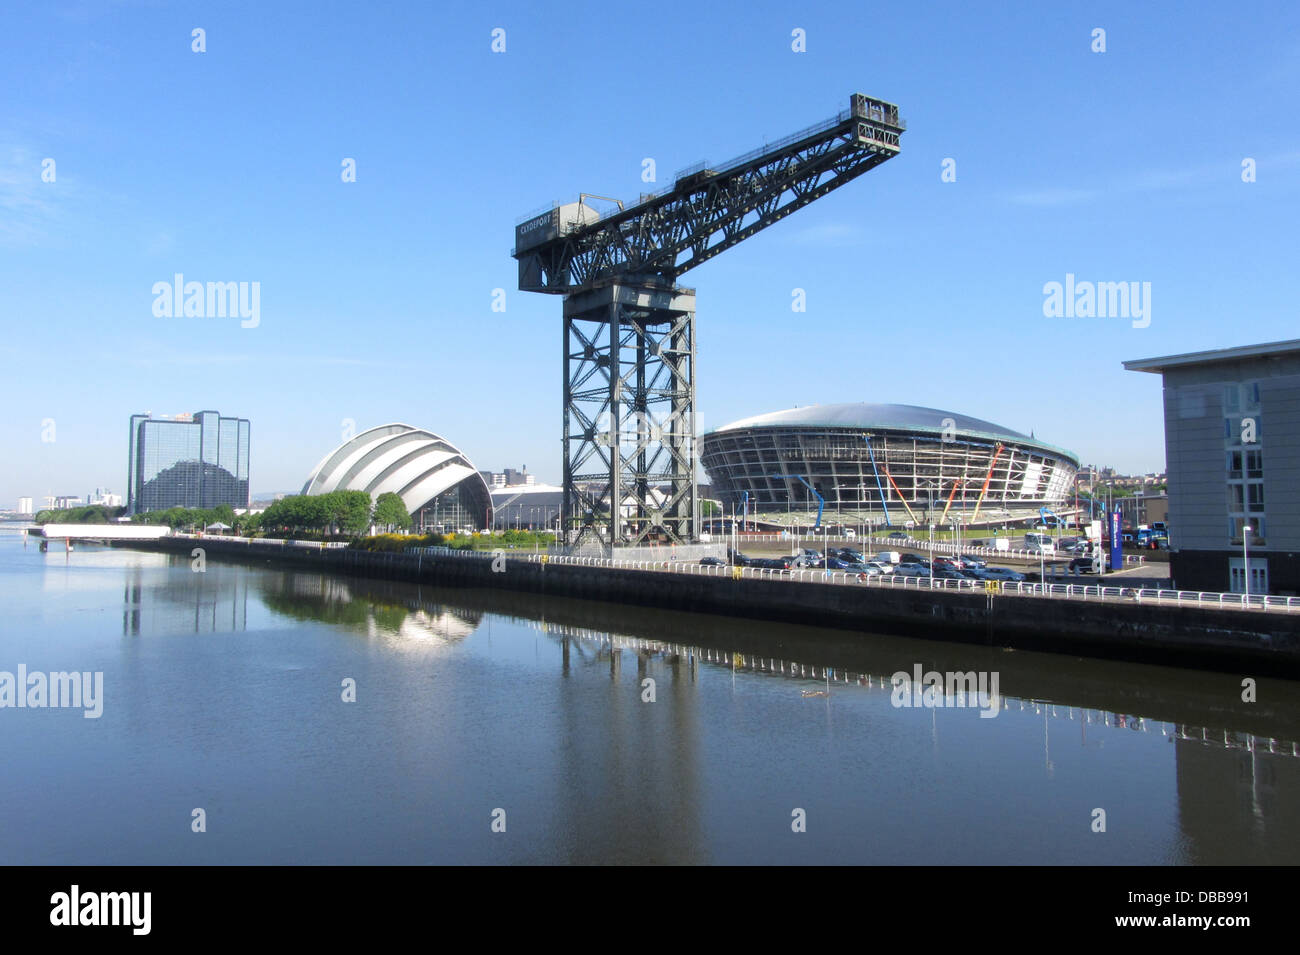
1116	536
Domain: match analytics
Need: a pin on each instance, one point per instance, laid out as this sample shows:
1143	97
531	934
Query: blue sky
376	295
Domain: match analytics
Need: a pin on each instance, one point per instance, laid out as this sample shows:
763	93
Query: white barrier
992	587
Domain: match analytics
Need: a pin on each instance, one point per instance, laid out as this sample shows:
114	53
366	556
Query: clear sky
376	295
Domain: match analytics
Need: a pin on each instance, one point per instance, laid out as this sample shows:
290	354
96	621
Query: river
490	727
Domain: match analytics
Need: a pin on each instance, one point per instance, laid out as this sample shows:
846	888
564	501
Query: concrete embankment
1250	642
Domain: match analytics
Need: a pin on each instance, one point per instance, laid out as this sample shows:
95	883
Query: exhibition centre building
885	464
441	488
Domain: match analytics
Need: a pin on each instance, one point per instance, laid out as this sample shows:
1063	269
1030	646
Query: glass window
1254	464
1231	398
1234	464
1255	496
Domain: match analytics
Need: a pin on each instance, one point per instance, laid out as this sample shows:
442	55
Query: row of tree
348	513
339	512
89	514
197	518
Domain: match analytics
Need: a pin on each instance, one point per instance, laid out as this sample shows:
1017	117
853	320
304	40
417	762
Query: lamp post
1245	558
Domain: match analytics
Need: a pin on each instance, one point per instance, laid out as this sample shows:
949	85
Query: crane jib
708	208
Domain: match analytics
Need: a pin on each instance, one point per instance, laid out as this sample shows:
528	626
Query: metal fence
1094	593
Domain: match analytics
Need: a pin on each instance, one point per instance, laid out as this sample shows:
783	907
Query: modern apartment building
1232	453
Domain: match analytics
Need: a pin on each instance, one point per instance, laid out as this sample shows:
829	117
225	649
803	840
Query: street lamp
1245	558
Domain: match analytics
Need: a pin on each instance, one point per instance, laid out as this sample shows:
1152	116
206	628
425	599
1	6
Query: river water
223	691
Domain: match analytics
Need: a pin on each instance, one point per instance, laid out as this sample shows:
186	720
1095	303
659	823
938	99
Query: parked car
1001	573
741	560
883	566
1085	565
943	560
912	570
713	562
870	570
970	560
947	573
897	536
914	559
851	555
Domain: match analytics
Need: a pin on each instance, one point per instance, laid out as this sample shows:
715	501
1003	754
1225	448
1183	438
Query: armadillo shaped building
439	485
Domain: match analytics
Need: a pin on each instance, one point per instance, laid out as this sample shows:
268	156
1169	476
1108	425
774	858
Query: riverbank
1249	642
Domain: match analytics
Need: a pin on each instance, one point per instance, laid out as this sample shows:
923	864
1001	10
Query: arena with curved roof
441	489
884	463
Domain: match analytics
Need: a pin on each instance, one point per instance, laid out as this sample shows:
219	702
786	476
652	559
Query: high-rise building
25	505
192	460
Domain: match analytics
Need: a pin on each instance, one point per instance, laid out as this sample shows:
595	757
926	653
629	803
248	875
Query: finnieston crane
629	328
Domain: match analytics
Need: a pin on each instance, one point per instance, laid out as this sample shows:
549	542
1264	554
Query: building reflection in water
215	601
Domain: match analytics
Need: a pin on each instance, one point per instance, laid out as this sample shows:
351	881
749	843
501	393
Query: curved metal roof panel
417	465
863	416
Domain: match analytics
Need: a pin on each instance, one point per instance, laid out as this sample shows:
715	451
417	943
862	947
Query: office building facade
194	460
1232	452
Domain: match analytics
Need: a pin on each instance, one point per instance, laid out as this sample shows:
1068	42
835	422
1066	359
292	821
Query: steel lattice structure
629	335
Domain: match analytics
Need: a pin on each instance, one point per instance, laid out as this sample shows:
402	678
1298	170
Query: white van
889	557
998	543
1040	544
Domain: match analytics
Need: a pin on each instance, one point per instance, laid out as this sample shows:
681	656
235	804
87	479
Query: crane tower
629	328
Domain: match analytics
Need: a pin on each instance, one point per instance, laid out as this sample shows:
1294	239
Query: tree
391	512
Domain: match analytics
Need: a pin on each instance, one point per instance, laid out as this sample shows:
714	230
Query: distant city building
1232	450
61	502
25	506
190	460
1139	509
104	498
529	506
508	478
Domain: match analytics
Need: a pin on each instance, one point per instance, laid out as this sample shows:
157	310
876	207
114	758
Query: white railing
898	581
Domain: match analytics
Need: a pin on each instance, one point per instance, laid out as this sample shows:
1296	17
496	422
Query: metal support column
629	411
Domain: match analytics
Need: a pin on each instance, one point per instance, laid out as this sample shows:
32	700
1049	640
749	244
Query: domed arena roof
862	416
415	464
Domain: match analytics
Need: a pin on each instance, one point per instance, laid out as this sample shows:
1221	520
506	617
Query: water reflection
1230	783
